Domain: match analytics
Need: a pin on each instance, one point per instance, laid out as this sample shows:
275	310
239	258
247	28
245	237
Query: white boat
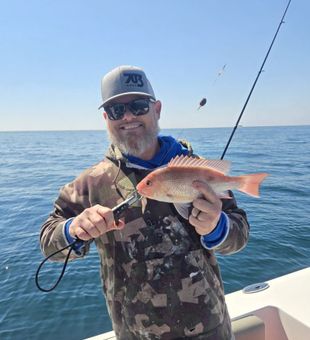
278	309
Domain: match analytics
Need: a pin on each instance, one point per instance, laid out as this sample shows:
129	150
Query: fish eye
148	182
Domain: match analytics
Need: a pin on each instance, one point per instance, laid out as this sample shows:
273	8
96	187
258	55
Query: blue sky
54	53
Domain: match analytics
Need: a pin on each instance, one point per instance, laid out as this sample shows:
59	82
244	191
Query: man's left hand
206	211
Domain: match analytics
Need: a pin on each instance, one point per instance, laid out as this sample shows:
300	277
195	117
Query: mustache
131	145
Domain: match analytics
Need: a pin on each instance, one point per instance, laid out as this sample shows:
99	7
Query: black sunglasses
137	107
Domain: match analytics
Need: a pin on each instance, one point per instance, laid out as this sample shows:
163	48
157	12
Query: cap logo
134	79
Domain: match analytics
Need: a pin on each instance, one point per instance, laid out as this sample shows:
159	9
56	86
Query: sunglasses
137	107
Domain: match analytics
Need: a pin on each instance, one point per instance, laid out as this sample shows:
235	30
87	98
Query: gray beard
135	146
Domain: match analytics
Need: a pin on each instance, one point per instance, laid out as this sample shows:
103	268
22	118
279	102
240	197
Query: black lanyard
117	212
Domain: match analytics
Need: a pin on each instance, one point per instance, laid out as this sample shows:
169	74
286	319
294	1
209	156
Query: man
159	272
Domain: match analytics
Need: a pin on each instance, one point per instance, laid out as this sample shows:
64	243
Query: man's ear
158	108
105	116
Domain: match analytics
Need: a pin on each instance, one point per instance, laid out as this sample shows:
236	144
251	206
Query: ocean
34	165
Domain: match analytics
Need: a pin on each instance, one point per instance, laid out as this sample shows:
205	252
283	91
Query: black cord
117	212
71	245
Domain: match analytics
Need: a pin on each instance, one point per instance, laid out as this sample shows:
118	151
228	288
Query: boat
278	309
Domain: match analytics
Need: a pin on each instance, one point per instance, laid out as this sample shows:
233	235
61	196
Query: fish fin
221	166
250	183
183	209
143	203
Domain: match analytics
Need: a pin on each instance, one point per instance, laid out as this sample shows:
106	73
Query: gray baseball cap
124	80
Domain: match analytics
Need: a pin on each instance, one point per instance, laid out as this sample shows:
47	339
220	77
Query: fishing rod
254	84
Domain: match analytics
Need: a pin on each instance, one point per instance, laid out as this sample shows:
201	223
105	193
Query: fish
174	182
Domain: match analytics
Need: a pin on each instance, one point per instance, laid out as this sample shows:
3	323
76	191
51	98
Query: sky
53	54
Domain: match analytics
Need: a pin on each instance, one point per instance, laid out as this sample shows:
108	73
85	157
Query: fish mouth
139	189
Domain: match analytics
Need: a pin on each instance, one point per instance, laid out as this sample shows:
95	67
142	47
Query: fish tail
250	183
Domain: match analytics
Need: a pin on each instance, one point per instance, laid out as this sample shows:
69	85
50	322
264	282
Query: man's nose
128	115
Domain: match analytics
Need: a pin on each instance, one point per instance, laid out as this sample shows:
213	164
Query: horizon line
174	128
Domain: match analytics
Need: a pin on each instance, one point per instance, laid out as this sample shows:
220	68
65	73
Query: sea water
34	165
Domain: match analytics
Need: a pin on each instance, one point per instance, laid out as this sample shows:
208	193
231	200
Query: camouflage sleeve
239	228
72	200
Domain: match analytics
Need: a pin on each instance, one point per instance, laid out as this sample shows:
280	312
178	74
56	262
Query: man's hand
93	222
206	211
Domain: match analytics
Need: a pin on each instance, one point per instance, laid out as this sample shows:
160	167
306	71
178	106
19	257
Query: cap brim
125	94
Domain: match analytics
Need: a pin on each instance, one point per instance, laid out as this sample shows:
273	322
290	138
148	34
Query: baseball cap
124	80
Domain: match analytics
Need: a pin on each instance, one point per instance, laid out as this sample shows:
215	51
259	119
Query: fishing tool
117	212
202	103
255	81
204	100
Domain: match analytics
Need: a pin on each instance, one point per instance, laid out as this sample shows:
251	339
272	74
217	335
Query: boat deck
280	312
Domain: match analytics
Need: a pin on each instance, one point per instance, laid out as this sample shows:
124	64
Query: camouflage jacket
158	280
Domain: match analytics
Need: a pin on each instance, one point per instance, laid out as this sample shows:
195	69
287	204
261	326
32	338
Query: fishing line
254	84
204	100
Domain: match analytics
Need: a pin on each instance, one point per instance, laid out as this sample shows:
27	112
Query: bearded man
159	272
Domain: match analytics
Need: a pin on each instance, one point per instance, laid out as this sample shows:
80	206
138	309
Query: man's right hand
94	222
